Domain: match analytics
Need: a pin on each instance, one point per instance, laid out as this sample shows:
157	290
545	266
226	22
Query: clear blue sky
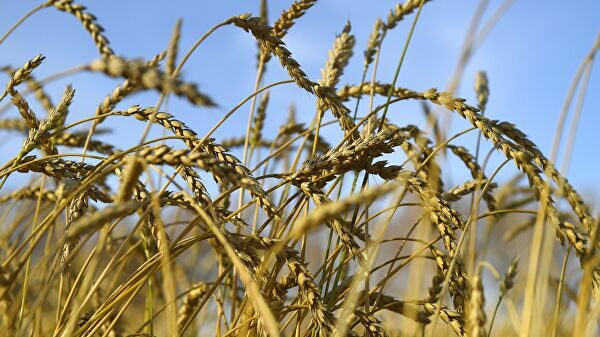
531	57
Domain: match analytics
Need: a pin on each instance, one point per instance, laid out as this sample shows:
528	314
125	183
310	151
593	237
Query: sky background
530	56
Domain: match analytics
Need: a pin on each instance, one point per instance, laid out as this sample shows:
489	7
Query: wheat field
341	220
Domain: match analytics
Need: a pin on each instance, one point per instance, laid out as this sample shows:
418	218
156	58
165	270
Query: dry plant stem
404	50
575	122
27	268
529	315
148	267
245	159
482	91
565	108
252	289
25	17
467	47
472	42
96	175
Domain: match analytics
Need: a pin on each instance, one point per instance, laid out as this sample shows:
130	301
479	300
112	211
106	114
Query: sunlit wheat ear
398	13
288	17
22	74
32	194
509	278
195	184
55	118
372	325
88	21
356	155
373	43
476	172
30	119
226	168
161	155
36	87
566	189
335	221
99	236
273	45
25	111
458	192
123	90
458	282
78	207
173	48
524	160
338	59
419	313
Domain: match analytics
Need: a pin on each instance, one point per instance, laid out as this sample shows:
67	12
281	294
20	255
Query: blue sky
531	57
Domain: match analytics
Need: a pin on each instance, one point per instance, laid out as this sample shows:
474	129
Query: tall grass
344	225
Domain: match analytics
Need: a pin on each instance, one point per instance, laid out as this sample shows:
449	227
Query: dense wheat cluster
342	224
